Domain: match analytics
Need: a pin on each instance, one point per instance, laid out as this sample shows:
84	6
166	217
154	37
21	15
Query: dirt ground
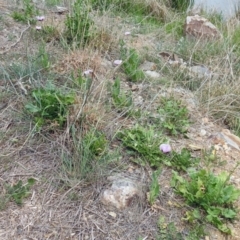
60	208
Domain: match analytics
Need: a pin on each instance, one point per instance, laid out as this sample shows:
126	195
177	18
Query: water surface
226	7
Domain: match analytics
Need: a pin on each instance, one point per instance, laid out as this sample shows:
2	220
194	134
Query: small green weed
28	13
144	142
15	193
211	193
78	24
175	28
96	142
48	34
154	187
131	62
181	161
42	59
88	154
49	105
120	99
175	116
168	231
19	191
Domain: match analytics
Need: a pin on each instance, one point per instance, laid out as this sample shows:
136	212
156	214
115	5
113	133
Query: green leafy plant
28	13
49	105
120	99
145	143
131	62
154	187
96	142
211	193
181	161
19	191
42	58
174	115
78	24
168	231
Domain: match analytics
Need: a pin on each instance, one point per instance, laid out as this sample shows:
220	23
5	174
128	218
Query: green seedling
213	194
168	231
154	187
49	106
120	99
143	143
78	24
96	142
131	63
19	191
181	161
174	115
28	13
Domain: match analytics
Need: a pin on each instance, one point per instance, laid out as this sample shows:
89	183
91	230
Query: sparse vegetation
75	120
28	13
212	193
174	115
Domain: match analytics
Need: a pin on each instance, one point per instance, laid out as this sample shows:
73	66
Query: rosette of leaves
49	106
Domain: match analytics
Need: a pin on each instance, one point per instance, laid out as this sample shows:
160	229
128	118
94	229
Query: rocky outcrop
200	28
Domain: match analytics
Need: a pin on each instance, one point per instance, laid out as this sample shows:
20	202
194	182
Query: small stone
87	72
40	18
203	132
135	87
153	74
138	101
117	62
112	214
200	71
205	120
148	66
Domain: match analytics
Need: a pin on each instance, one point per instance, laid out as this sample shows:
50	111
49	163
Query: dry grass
63	205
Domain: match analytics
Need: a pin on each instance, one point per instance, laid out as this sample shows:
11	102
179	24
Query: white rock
200	28
121	193
203	132
200	71
148	66
152	74
117	62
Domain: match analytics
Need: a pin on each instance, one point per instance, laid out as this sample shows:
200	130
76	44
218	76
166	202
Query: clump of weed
174	116
78	24
145	143
28	13
168	231
16	193
120	99
213	194
88	154
154	187
180	5
181	161
131	63
49	106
